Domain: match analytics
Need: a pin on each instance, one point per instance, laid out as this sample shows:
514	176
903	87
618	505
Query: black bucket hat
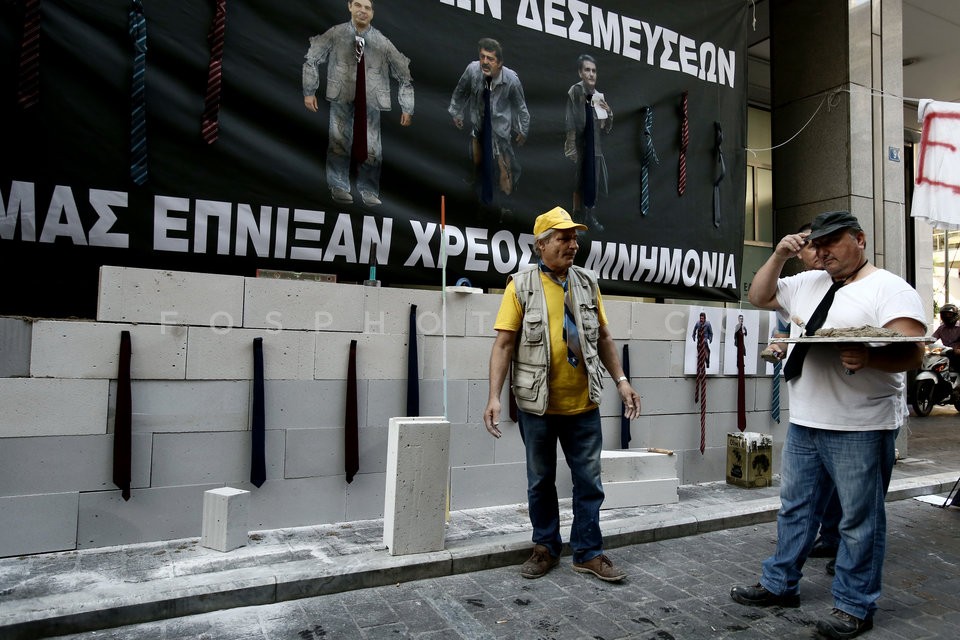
831	222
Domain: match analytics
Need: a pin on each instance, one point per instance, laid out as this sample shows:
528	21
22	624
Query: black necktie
624	421
122	420
722	172
588	168
795	362
358	150
413	374
486	151
258	461
741	390
351	427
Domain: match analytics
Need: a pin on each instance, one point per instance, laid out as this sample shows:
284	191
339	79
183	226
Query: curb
125	604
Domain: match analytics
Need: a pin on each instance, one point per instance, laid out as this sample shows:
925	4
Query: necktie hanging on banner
486	148
684	143
647	156
570	333
624	421
138	95
28	80
358	151
700	390
122	437
741	390
723	172
210	127
351	426
258	420
588	167
775	392
413	367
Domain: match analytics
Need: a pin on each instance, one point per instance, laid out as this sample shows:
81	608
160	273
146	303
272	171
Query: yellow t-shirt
569	393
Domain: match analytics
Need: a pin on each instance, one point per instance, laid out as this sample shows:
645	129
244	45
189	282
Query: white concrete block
481	313
52	407
467	358
415	498
618	318
659	321
92	350
388	311
157	296
38	523
638	493
14	347
216	354
225	523
302	305
627	465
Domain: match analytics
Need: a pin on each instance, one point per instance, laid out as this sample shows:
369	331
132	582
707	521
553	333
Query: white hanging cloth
936	193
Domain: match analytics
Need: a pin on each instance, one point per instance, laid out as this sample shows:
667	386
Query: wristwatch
620	379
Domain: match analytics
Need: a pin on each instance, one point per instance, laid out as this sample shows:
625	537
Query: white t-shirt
824	396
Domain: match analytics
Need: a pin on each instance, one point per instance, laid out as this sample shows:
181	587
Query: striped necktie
570	333
210	127
684	143
648	155
138	102
700	390
775	392
28	82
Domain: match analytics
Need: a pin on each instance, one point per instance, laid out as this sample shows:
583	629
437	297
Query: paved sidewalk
61	593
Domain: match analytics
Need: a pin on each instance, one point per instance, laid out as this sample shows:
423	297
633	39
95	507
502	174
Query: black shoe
832	567
840	625
823	550
757	596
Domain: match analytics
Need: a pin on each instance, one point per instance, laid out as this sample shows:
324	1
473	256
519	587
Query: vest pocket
590	317
533	327
527	382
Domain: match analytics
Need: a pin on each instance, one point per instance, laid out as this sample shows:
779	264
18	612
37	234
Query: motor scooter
935	383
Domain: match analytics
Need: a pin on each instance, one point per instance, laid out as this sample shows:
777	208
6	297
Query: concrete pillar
415	499
224	518
842	61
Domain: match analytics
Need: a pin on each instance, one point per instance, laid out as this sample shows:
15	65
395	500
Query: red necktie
358	151
684	143
28	84
700	392
210	128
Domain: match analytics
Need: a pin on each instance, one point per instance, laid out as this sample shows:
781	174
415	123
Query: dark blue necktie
138	106
413	369
647	156
624	421
588	168
486	151
351	425
122	439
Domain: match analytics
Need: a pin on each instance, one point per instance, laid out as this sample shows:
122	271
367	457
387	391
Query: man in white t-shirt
846	407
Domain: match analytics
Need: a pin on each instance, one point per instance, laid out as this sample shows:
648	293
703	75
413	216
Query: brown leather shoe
538	564
602	567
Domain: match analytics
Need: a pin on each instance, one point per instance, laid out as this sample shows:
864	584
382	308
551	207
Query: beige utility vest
531	357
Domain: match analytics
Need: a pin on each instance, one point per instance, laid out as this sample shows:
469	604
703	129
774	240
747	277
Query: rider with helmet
949	333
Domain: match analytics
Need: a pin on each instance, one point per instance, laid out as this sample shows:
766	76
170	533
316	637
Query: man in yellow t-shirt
556	353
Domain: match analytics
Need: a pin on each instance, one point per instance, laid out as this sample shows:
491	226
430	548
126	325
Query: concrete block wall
191	372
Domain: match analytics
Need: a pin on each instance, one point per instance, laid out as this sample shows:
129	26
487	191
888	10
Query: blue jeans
858	464
830	522
581	440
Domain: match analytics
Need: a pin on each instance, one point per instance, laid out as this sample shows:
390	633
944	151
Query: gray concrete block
619	318
156	296
92	349
297	502
310	403
638	493
365	496
55	464
225	525
481	312
470	444
659	321
415	498
189	405
707	467
302	305
164	513
212	457
52	407
385	399
314	452
467	358
431	399
388	312
379	356
487	485
38	523
15	340
218	354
